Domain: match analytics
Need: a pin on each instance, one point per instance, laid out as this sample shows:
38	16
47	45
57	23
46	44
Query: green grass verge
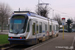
3	39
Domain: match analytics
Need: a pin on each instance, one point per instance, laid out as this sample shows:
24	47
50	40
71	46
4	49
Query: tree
5	12
69	25
58	18
43	11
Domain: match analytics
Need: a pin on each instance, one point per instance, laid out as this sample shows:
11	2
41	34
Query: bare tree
58	18
43	11
5	13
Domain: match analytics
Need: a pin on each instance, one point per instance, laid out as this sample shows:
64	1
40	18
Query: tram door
34	28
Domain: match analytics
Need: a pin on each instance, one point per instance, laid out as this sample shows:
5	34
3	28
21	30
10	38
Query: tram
29	28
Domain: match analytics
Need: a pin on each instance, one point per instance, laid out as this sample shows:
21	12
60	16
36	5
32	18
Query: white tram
29	28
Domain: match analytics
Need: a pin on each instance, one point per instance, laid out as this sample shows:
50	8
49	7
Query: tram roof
32	14
29	14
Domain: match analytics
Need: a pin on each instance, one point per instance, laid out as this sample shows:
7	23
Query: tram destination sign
18	16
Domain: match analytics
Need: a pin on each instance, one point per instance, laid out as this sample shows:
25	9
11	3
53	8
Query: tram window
53	27
37	28
56	27
33	28
28	27
40	27
45	27
50	28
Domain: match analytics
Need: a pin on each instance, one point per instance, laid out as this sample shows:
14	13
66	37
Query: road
58	43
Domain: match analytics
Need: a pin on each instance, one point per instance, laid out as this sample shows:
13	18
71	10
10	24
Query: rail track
14	47
7	47
17	47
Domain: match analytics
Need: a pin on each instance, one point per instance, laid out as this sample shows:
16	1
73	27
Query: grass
3	39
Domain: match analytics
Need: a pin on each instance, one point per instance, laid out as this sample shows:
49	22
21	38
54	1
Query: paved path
4	32
56	43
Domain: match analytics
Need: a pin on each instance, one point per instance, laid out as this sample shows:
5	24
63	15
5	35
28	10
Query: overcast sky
59	6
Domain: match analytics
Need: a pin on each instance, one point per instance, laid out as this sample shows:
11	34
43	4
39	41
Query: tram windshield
18	24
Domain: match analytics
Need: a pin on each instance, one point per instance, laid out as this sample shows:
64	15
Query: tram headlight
11	37
20	37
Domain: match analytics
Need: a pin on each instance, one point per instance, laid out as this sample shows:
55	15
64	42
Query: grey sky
60	6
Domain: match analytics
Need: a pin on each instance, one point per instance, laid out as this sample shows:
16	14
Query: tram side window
28	27
54	27
45	28
37	28
50	28
57	28
40	27
33	28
